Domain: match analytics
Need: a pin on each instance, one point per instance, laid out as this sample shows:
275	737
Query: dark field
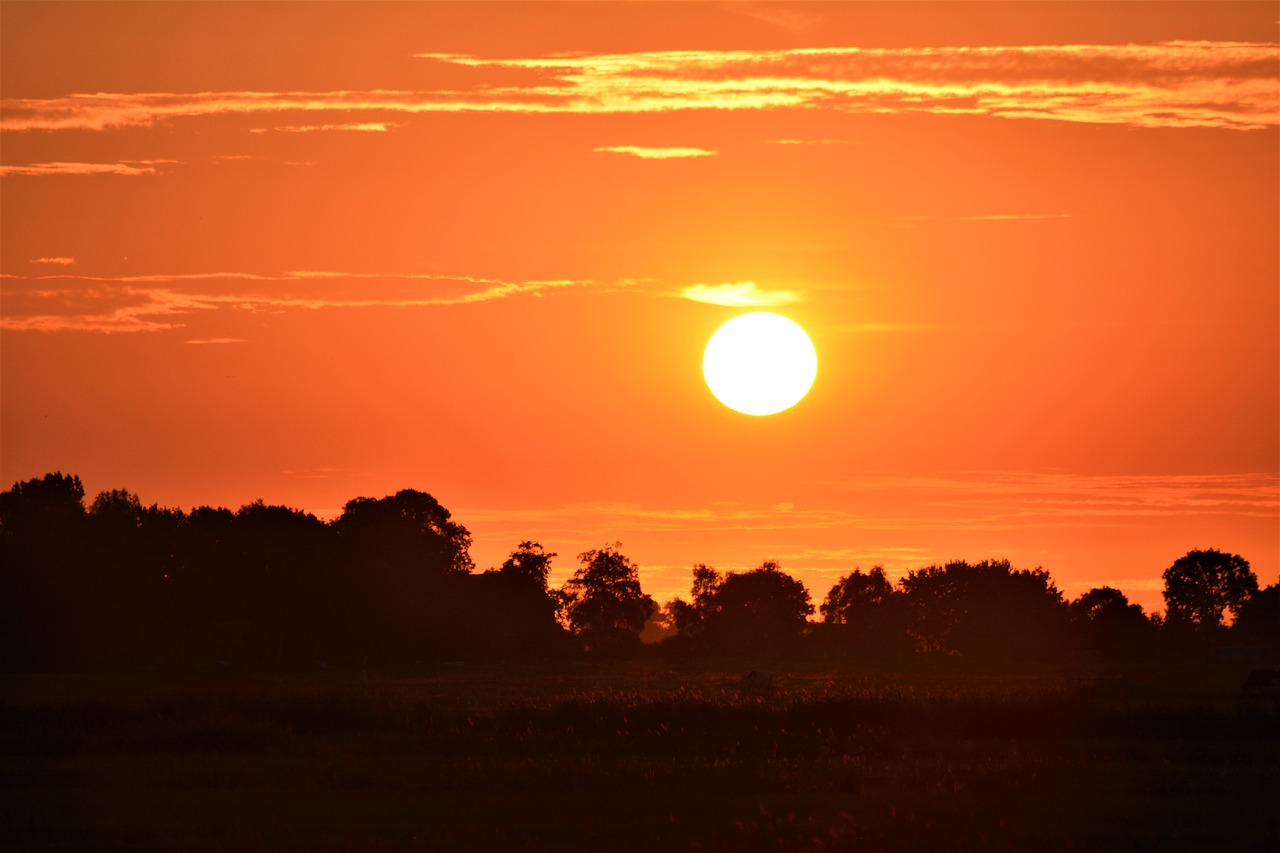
636	758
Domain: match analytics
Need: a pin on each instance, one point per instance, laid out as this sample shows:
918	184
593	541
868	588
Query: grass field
638	757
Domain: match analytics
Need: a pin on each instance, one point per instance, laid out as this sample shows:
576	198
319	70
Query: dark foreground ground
638	758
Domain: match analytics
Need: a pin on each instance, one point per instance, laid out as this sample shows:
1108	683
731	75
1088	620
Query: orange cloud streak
149	303
1175	84
127	167
742	294
656	153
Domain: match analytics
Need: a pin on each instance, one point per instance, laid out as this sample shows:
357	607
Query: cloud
627	517
354	127
741	294
1177	84
156	302
204	341
125	167
60	261
1017	499
657	153
1173	84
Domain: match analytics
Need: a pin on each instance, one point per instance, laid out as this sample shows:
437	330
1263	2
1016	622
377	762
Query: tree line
116	583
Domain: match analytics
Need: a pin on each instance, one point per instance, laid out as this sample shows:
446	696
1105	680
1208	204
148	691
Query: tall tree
1258	621
864	617
409	529
760	612
402	562
511	612
604	604
856	596
283	553
986	611
50	504
1109	625
530	561
131	548
49	604
688	617
1203	585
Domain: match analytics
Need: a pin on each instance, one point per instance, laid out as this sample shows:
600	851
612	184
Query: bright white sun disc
760	363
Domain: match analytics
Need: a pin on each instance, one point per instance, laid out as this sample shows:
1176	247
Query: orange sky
306	252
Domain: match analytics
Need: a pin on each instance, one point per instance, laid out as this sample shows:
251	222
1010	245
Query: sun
760	363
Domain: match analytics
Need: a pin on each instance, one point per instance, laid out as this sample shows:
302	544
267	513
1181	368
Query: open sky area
308	252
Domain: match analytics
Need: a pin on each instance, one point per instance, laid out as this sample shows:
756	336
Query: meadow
639	756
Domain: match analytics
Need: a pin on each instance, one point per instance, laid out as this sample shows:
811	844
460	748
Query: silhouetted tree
409	529
1201	585
400	559
762	611
856	595
604	604
511	613
206	562
1258	622
282	555
130	552
1109	625
864	617
529	560
688	616
987	611
48	609
47	505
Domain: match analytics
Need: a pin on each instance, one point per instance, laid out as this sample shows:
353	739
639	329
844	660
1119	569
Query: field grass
638	757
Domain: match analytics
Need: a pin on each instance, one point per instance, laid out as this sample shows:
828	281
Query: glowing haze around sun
760	364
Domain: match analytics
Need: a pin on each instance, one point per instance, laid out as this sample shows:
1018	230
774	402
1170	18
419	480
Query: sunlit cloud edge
740	294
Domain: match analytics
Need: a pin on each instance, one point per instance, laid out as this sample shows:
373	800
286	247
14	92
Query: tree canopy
603	602
121	583
985	610
759	612
1201	586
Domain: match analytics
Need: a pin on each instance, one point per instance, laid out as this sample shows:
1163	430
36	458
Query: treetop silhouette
392	579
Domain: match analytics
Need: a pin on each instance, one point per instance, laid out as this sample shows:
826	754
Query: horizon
305	253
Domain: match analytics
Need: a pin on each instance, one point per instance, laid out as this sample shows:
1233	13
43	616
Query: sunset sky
308	252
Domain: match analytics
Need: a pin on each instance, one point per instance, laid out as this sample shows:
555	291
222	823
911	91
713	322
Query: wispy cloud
1167	85
125	167
352	127
66	262
657	153
987	502
1019	499
741	294
216	341
155	302
1173	84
